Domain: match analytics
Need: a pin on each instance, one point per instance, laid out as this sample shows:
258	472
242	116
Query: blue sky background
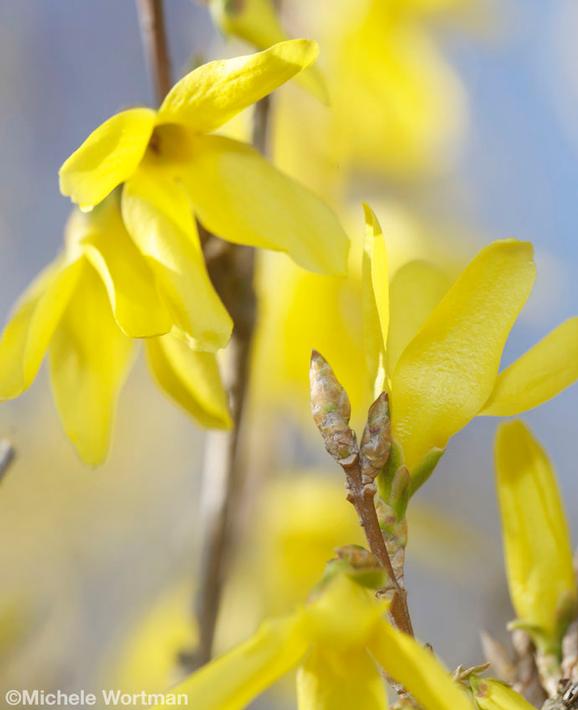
66	65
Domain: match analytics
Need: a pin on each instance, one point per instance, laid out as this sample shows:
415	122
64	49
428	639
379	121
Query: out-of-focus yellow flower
170	165
82	310
493	695
149	658
448	373
429	8
303	518
257	22
337	641
536	536
397	107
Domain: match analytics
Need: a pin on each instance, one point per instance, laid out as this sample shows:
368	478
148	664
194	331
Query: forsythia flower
337	641
301	311
82	310
492	695
133	266
536	537
169	165
448	372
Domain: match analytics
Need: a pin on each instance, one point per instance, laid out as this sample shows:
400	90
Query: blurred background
97	566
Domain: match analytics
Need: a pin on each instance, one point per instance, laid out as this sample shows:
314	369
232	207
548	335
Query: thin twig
7	454
223	475
152	22
362	496
232	271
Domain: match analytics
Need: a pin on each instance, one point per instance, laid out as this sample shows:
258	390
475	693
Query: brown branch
232	271
223	472
7	455
361	495
154	38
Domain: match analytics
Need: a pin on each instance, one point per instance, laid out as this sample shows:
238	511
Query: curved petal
375	282
446	374
89	361
107	157
340	681
415	289
536	536
158	217
493	695
257	22
417	669
540	374
128	279
31	327
215	92
232	681
190	378
241	197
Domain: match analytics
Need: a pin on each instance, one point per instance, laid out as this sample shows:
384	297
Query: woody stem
7	454
361	496
154	38
232	272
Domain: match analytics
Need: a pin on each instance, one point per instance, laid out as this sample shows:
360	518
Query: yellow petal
448	371
191	378
375	281
417	669
330	627
340	681
493	695
129	281
536	537
242	198
415	290
232	681
158	216
89	361
215	92
540	374
32	325
257	22
107	157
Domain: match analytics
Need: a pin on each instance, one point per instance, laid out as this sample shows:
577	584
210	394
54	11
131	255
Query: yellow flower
301	311
82	310
448	372
170	165
493	695
337	641
536	536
